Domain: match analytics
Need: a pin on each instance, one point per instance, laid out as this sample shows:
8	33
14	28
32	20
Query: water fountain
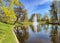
35	28
35	23
35	20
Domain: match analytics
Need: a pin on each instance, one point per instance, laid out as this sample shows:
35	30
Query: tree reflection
22	34
54	34
35	28
46	27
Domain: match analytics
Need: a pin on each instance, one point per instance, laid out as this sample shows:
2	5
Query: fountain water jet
35	23
35	20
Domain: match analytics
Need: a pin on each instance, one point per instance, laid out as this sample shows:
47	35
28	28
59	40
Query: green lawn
6	35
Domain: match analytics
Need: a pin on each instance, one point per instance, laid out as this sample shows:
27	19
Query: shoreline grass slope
6	35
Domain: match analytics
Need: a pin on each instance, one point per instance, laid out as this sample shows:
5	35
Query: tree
58	10
31	19
7	7
53	12
21	15
38	17
8	15
18	12
25	15
46	18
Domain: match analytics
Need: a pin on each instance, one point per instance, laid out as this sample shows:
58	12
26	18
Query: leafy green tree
21	15
53	12
38	17
46	18
18	12
25	15
31	19
7	8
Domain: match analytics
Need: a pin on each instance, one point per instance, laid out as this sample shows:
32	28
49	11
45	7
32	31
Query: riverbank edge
16	40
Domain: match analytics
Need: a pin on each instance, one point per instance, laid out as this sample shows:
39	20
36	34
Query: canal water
38	33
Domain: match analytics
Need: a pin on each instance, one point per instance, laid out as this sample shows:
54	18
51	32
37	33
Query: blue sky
37	6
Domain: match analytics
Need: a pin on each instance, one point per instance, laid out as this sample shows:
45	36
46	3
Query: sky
37	6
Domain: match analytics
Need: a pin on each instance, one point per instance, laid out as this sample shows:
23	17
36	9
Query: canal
38	33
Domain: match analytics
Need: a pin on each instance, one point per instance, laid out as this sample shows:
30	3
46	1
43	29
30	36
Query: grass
26	23
29	23
6	35
42	22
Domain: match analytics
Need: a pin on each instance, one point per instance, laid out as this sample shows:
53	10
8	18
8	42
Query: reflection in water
22	34
37	34
46	26
35	28
54	34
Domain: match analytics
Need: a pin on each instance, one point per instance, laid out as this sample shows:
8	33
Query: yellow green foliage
8	14
15	2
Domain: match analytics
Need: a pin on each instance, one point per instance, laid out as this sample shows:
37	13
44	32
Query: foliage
16	2
38	17
8	14
21	15
53	12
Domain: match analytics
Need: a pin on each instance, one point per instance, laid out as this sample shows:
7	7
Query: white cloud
40	2
44	1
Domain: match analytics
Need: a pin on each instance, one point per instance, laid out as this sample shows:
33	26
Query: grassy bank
29	23
6	35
